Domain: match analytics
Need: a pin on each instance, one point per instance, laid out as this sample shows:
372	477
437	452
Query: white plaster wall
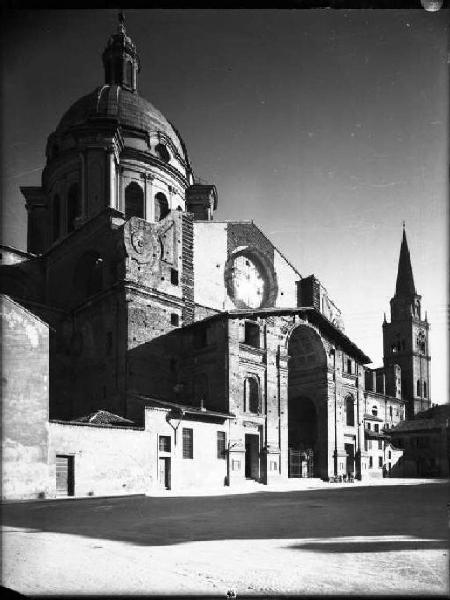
205	469
210	255
107	461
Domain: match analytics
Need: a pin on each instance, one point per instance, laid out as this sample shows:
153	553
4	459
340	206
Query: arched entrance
307	404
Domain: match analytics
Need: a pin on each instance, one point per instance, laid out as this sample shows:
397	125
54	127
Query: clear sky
328	128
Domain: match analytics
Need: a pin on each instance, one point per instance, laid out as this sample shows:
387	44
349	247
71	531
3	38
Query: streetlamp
174	418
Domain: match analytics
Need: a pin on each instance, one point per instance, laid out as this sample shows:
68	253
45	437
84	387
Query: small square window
164	443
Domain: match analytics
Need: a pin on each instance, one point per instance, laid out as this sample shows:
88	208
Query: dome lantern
120	59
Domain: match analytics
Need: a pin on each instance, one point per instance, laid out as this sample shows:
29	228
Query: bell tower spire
120	59
405	338
405	280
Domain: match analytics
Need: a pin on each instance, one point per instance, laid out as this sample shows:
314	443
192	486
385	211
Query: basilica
148	346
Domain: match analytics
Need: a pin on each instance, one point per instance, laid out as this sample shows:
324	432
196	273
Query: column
112	179
148	197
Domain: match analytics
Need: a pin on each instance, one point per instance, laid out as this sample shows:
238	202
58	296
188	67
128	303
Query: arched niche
134	201
161	206
73	206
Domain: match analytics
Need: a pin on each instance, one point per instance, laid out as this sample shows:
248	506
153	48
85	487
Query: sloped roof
103	417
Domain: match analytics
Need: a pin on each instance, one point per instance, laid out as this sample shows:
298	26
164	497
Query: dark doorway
164	473
64	475
303	437
307	403
350	464
252	456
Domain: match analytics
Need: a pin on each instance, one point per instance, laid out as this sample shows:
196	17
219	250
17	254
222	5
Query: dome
131	111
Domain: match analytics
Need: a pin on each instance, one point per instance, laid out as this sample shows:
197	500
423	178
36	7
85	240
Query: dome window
134	201
73	206
161	206
129	74
162	152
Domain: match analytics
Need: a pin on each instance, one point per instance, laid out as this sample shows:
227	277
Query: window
164	443
221	444
370	462
235	465
375	410
418	388
390	412
424	389
73	206
349	366
174	319
369	426
173	276
380	461
251	334
134	201
161	206
162	152
389	454
376	427
188	443
118	71
129	74
251	395
56	217
380	444
349	411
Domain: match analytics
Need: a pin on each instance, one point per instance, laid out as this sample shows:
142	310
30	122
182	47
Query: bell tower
405	338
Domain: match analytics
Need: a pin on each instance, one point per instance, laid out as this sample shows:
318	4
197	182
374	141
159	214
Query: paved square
348	540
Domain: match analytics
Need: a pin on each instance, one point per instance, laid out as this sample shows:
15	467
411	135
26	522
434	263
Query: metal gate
301	463
64	475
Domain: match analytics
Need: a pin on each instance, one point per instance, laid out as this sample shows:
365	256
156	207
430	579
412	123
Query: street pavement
383	538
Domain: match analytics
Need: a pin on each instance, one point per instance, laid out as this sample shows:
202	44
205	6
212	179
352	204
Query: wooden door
164	473
64	475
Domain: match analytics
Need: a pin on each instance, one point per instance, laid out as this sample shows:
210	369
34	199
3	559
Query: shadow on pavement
416	511
370	546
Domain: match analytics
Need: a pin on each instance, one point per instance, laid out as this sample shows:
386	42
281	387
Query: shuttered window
221	442
188	443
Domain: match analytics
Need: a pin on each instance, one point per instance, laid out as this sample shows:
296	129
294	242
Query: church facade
193	346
